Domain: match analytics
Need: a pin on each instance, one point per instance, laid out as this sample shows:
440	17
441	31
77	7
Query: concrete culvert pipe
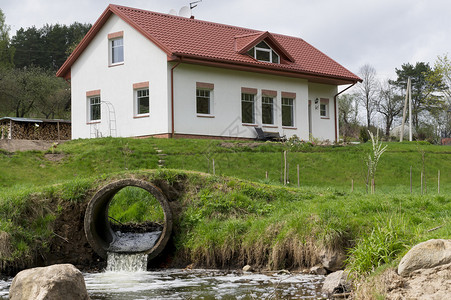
97	225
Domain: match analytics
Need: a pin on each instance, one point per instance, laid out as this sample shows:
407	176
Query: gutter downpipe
172	96
335	109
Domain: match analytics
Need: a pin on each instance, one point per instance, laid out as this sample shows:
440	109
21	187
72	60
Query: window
263	52
94	108
267	110
203	101
288	112
247	108
117	50
142	102
324	108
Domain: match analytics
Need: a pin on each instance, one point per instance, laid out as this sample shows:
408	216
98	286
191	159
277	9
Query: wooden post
214	171
266	175
298	175
411	179
352	185
438	182
284	167
281	168
421	182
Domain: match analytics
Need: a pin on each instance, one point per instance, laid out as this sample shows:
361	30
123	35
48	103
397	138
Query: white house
141	73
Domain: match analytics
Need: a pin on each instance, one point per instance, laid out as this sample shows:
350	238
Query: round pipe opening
97	225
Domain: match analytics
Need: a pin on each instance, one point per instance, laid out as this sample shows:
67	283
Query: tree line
382	102
28	62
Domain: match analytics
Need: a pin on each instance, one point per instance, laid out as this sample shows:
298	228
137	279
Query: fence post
285	167
421	182
411	179
298	175
438	182
214	171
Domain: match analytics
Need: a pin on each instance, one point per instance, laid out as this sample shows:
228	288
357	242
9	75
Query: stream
196	284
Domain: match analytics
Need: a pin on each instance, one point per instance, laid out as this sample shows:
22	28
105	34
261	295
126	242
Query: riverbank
226	223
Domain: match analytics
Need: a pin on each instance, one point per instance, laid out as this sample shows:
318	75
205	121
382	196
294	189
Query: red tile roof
221	45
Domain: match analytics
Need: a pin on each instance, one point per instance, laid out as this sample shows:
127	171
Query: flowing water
126	278
120	262
196	284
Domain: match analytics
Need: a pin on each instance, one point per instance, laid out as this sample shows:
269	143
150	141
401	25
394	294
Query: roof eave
249	67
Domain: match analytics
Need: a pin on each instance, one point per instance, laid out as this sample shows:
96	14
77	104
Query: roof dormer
262	52
262	46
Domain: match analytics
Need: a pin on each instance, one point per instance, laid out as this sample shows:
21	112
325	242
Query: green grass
239	216
132	204
319	166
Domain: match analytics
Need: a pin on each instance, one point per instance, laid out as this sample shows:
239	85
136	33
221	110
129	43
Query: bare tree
347	113
368	90
389	104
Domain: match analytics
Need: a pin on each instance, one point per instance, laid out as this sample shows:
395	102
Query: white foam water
129	242
124	262
202	284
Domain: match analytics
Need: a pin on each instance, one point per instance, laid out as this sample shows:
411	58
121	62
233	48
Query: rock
247	268
336	283
50	283
318	270
426	255
332	260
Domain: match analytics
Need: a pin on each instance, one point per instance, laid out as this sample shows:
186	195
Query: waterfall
124	262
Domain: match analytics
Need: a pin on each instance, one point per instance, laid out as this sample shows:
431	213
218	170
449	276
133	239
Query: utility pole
409	98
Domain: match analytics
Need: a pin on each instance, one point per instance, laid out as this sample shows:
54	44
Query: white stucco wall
143	61
322	127
227	102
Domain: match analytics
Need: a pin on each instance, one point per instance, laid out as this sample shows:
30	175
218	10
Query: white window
203	101
247	108
117	51
288	112
263	52
94	108
267	110
142	103
324	108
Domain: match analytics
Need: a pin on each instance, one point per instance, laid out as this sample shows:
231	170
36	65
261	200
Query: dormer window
262	52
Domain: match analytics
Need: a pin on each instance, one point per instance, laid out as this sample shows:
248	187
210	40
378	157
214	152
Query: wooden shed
34	129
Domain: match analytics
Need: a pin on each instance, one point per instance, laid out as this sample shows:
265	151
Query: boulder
247	268
337	283
332	260
426	255
318	270
50	283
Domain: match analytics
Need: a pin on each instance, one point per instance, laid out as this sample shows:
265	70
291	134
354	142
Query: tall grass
133	204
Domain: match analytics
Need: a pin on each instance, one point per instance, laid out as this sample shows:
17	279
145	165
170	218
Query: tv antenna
193	4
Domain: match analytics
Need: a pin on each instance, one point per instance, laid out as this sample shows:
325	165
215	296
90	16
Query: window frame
111	47
208	99
269	104
91	106
324	103
274	57
292	109
137	101
248	98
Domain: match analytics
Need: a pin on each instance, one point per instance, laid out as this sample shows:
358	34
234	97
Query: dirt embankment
26	145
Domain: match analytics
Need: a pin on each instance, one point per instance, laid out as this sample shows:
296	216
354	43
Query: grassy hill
320	166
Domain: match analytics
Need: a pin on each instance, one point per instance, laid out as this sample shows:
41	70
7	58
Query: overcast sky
382	33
